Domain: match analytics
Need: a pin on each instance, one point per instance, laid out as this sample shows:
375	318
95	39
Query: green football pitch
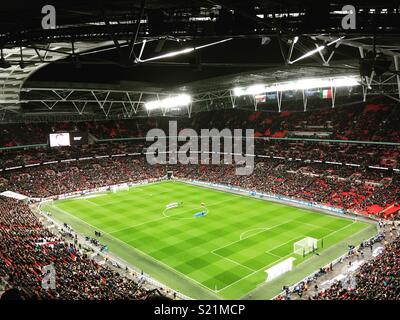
223	254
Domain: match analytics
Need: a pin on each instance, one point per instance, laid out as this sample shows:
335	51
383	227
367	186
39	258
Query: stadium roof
238	45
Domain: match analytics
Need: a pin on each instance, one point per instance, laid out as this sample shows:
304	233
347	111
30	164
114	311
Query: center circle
186	211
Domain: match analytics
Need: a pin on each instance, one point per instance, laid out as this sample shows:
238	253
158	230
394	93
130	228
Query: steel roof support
233	99
279	99
397	68
304	100
255	103
333	89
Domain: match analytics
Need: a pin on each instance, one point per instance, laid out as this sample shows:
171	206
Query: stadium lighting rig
169	103
302	84
178	52
318	49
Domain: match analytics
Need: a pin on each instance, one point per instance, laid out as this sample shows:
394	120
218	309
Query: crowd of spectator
309	289
345	153
26	246
64	178
376	279
364	121
371	121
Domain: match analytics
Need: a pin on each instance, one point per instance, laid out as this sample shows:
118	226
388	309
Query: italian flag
325	93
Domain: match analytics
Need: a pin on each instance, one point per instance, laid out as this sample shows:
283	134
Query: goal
120	187
305	246
279	269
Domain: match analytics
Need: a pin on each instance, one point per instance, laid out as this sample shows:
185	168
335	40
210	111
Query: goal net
279	269
305	246
120	187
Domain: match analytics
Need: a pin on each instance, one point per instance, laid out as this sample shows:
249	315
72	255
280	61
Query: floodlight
255	89
169	103
169	54
310	53
318	49
334	41
183	51
151	105
252	90
301	84
345	82
238	92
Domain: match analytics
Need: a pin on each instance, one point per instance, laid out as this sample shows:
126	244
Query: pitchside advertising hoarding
65	139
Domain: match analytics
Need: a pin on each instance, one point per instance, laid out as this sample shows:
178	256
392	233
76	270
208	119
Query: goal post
279	269
121	187
305	246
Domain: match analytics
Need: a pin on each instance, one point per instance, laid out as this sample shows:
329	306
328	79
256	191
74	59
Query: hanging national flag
260	98
325	93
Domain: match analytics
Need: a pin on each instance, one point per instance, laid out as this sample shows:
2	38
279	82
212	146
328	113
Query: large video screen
59	139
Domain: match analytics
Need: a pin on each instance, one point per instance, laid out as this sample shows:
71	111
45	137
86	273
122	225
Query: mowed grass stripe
208	250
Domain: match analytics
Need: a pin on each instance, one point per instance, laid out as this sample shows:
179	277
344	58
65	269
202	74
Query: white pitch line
141	252
106	203
272	227
137	225
90	202
233	261
264	267
341	229
312	225
268	199
164	217
227	286
260	228
193	280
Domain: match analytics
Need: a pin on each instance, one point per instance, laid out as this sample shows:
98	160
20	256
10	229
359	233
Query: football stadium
200	150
